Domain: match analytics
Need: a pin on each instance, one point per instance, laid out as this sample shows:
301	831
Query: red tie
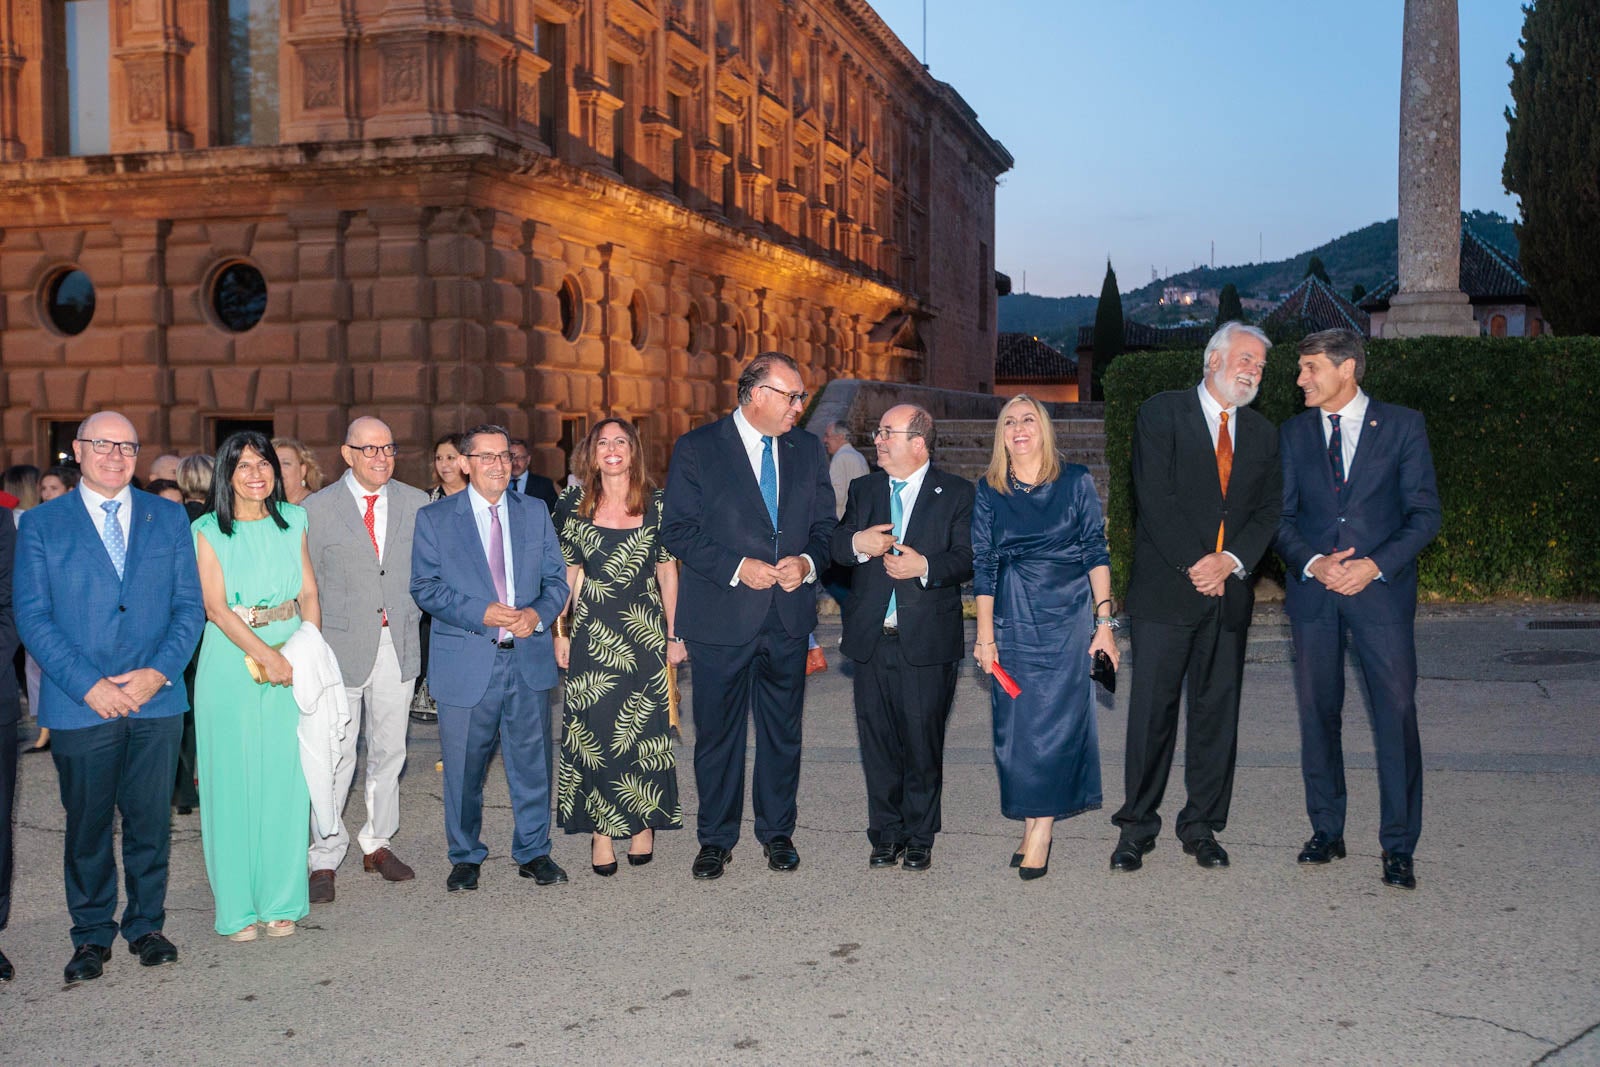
371	519
1224	468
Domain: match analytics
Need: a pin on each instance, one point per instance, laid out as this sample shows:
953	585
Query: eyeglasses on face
374	451
882	433
489	459
794	399
102	447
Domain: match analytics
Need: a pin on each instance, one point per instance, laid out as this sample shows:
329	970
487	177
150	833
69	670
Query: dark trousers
8	795
1387	668
766	676
901	713
518	719
122	766
185	791
1210	659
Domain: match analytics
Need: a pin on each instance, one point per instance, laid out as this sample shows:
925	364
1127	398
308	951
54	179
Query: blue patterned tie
897	515
769	481
1336	453
111	534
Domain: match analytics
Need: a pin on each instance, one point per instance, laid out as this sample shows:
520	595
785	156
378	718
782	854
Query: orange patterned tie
1224	468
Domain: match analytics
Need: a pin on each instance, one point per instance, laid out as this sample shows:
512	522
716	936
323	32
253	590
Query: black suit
906	680
747	646
1180	635
537	486
10	710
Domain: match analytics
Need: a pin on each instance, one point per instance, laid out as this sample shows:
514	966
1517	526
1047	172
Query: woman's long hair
221	500
1000	458
194	476
308	461
589	473
22	482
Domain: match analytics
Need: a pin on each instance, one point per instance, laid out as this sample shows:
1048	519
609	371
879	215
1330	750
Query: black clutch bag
1103	672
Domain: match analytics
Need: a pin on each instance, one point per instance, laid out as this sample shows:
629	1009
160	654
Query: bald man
359	535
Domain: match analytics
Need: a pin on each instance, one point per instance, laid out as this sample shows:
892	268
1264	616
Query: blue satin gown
1033	552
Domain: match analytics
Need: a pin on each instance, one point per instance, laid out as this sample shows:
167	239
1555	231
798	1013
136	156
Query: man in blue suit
10	712
486	565
1359	504
108	601
749	511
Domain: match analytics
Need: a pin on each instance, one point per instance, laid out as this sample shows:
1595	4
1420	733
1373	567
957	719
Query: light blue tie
897	515
111	534
769	481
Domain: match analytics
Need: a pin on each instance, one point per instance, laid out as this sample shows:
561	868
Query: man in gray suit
359	535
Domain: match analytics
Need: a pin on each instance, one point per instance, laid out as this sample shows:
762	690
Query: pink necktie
497	560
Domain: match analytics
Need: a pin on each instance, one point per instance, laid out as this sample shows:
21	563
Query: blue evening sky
1146	129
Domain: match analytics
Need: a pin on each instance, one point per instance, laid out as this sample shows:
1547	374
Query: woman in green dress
618	771
255	577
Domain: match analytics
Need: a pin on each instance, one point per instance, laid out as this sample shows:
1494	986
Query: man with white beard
1208	490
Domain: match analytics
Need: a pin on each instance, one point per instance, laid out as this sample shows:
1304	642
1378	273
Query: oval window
239	296
571	302
638	320
69	302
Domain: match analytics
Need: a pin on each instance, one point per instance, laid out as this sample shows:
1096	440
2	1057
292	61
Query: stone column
1430	300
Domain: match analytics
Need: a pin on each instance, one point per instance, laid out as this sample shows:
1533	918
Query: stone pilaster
148	60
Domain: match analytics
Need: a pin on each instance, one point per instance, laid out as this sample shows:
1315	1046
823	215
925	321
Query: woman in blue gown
1041	570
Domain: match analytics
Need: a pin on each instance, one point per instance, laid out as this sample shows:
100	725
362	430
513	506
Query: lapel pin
1374	422
938	489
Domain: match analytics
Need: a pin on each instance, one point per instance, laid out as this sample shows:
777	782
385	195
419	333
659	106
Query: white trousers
387	702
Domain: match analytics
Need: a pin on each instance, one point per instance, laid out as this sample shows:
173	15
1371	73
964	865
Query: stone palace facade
283	213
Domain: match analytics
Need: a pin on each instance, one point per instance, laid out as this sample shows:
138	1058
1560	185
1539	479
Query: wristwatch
1108	620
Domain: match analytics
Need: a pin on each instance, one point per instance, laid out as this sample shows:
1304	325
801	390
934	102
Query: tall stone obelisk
1430	300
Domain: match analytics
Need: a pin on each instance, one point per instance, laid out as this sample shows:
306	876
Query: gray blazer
354	588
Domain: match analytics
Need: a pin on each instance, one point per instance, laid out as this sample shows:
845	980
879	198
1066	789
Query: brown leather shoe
322	887
387	864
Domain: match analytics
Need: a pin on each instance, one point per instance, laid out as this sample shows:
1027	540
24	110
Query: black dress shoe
153	949
1206	852
87	963
885	855
1129	855
781	853
710	861
7	972
919	857
462	876
1321	849
545	871
1397	870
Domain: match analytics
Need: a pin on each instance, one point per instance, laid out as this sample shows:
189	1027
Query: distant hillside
1368	257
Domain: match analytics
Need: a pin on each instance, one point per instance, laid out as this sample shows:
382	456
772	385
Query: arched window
1497	325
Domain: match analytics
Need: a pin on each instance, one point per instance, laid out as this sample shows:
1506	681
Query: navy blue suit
10	710
486	693
748	646
82	623
1388	511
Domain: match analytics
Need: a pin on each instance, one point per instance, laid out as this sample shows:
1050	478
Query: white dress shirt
480	515
1351	418
908	500
380	511
751	437
1212	409
92	501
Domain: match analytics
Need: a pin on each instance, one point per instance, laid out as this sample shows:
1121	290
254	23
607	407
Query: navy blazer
450	580
1180	505
931	628
713	516
10	693
83	624
1388	511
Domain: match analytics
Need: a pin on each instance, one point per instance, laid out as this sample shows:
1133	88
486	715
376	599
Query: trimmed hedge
1515	429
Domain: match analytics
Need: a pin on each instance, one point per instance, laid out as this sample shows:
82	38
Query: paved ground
1492	960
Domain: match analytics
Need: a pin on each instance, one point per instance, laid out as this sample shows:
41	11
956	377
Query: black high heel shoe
1030	873
604	870
639	859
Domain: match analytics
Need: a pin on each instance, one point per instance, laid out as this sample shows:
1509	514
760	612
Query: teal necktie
897	515
769	481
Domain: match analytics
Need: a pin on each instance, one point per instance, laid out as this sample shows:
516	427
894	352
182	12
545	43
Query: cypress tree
1108	328
1229	308
1552	157
1357	291
1316	267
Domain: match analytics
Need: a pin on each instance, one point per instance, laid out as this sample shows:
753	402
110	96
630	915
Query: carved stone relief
402	76
321	87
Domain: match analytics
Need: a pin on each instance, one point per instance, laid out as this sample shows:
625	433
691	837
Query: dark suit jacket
714	516
941	529
450	580
1178	498
10	695
540	488
83	624
1388	511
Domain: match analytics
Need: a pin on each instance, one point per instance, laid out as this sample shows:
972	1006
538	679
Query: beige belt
257	617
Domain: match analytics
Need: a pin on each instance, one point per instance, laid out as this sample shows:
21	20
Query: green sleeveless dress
255	809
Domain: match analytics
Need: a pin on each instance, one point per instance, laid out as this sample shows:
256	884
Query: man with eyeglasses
359	534
525	481
107	599
487	567
749	512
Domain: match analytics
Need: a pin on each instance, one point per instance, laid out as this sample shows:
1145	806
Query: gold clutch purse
258	673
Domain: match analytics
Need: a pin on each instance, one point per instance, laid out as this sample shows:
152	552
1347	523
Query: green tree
1357	291
1316	267
1552	157
1229	309
1108	328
